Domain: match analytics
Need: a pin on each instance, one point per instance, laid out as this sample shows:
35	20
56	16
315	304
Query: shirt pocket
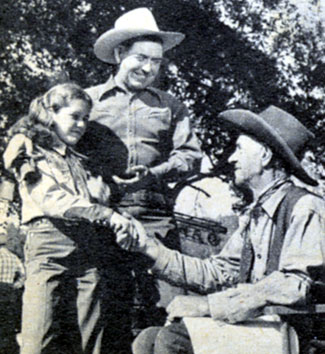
102	106
162	115
58	169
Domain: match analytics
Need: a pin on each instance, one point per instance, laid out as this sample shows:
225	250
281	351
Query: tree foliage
237	53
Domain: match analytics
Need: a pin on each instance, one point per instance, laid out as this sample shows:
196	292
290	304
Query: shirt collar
61	149
279	188
111	86
64	149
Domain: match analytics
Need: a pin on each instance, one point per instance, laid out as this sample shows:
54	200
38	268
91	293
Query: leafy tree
237	53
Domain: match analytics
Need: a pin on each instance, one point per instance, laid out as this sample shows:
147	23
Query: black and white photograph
162	177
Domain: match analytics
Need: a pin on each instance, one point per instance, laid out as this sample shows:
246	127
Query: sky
307	7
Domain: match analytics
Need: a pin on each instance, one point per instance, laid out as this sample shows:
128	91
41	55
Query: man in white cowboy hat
140	137
274	257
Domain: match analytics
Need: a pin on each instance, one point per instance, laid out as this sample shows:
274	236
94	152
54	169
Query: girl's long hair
38	124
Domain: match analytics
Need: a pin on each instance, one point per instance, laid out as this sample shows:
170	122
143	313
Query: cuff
91	213
216	302
162	259
157	171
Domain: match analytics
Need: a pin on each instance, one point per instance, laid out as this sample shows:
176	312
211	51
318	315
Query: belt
143	197
58	223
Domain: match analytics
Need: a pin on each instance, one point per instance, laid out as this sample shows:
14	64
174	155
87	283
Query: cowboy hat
276	128
135	23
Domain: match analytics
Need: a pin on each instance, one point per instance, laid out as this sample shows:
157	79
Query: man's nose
147	67
81	124
232	158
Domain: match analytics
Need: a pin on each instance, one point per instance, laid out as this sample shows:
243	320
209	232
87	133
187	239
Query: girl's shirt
60	191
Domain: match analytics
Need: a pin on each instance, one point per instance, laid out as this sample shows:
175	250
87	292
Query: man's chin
239	182
137	86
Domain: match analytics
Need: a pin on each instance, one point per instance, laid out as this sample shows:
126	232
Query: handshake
132	236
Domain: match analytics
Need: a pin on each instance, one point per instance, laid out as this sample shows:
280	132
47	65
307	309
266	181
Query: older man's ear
266	156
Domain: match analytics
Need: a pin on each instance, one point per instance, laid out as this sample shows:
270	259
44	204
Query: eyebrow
148	57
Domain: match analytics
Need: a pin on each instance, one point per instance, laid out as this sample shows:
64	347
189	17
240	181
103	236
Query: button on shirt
149	127
301	259
61	191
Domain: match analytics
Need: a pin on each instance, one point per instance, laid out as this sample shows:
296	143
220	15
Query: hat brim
252	124
105	44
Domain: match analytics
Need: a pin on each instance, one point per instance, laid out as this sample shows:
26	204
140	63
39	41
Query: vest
282	222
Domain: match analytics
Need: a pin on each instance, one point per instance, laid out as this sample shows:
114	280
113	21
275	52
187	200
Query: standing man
277	253
139	137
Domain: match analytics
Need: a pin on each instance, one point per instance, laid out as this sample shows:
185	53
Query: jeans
61	306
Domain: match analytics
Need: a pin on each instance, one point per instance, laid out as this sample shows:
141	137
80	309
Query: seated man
277	251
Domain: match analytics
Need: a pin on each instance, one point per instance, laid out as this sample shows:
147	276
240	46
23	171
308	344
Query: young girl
58	209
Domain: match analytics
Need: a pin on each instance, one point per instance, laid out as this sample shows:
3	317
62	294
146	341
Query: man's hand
188	306
138	240
142	177
98	189
120	224
242	308
236	305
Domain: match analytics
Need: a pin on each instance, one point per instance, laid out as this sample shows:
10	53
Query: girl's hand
18	144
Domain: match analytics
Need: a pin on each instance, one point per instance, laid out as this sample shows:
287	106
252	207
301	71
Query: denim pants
61	306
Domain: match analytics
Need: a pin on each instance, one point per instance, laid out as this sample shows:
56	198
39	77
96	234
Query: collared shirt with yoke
149	127
301	259
61	257
61	192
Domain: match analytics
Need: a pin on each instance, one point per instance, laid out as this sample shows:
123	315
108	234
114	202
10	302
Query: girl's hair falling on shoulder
37	125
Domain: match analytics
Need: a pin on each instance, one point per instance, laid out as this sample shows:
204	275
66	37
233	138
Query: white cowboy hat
135	23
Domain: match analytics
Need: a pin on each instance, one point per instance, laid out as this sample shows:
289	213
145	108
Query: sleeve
301	263
302	256
186	154
206	275
57	200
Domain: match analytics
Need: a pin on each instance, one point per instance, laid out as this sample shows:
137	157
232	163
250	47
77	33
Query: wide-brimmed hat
135	23
281	131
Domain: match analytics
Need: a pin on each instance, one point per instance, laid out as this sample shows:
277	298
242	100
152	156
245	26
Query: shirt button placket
131	132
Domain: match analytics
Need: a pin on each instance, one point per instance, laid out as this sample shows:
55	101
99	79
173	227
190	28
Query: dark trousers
172	339
152	294
10	317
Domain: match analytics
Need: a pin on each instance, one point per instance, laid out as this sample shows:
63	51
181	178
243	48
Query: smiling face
139	65
70	122
248	160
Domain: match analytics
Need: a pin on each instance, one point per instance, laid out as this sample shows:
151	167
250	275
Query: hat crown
281	131
140	18
295	134
135	23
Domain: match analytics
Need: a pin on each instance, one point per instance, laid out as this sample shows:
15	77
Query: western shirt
61	190
301	259
149	127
